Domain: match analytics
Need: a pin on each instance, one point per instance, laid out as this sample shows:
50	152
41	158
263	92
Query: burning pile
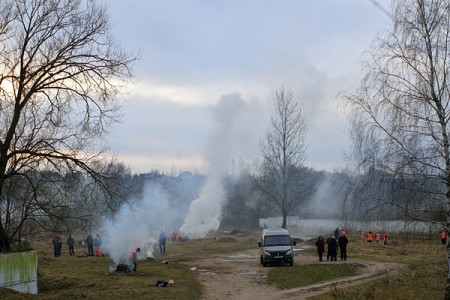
122	269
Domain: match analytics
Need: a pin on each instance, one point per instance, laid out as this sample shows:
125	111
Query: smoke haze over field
139	224
235	134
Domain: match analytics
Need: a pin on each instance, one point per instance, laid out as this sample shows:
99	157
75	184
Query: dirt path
241	276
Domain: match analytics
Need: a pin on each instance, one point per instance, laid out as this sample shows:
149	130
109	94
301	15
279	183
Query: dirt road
241	276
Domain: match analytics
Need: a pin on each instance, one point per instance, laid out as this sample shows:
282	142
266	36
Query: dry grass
89	278
425	279
70	277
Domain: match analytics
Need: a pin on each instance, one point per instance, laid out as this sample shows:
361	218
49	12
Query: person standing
328	252
71	243
57	246
90	245
332	248
336	233
370	237
320	244
132	258
342	243
162	242
377	238
444	237
385	238
97	245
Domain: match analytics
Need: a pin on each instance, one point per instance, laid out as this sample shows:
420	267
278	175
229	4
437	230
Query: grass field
89	278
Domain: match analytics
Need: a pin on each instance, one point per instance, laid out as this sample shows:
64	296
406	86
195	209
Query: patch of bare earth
241	276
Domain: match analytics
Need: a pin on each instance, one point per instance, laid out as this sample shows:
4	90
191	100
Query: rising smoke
235	134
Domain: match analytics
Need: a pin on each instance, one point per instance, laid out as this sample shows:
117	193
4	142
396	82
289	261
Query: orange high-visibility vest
370	237
377	236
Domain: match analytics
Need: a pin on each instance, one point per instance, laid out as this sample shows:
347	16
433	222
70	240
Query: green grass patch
291	277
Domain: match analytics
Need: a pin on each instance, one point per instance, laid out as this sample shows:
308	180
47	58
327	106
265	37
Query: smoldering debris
121	269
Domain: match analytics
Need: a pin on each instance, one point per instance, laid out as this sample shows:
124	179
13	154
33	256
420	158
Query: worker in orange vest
370	237
377	238
385	238
444	237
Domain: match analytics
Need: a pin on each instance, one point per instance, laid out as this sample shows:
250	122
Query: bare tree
401	112
281	179
60	77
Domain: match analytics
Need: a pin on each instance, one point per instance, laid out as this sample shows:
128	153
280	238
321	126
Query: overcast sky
204	60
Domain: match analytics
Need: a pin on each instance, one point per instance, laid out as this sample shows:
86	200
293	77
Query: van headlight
266	253
289	252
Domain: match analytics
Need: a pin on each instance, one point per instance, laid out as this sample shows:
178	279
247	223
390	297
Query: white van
276	247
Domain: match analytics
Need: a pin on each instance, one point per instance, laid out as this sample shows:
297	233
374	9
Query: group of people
370	237
171	235
57	246
338	240
93	244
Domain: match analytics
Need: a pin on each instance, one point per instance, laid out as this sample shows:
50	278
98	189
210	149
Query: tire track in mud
241	276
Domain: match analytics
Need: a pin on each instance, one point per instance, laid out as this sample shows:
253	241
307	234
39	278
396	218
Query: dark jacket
89	241
162	237
343	241
332	245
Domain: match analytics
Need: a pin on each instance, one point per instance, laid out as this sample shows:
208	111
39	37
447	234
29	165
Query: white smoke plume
235	134
138	224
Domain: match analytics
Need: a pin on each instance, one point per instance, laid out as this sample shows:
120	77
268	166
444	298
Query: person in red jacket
444	237
320	244
132	258
385	238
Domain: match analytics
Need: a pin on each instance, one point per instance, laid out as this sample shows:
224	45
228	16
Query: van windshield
277	240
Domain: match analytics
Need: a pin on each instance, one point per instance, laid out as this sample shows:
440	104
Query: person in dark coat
320	244
57	245
332	248
162	242
337	233
70	243
342	243
328	252
90	245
